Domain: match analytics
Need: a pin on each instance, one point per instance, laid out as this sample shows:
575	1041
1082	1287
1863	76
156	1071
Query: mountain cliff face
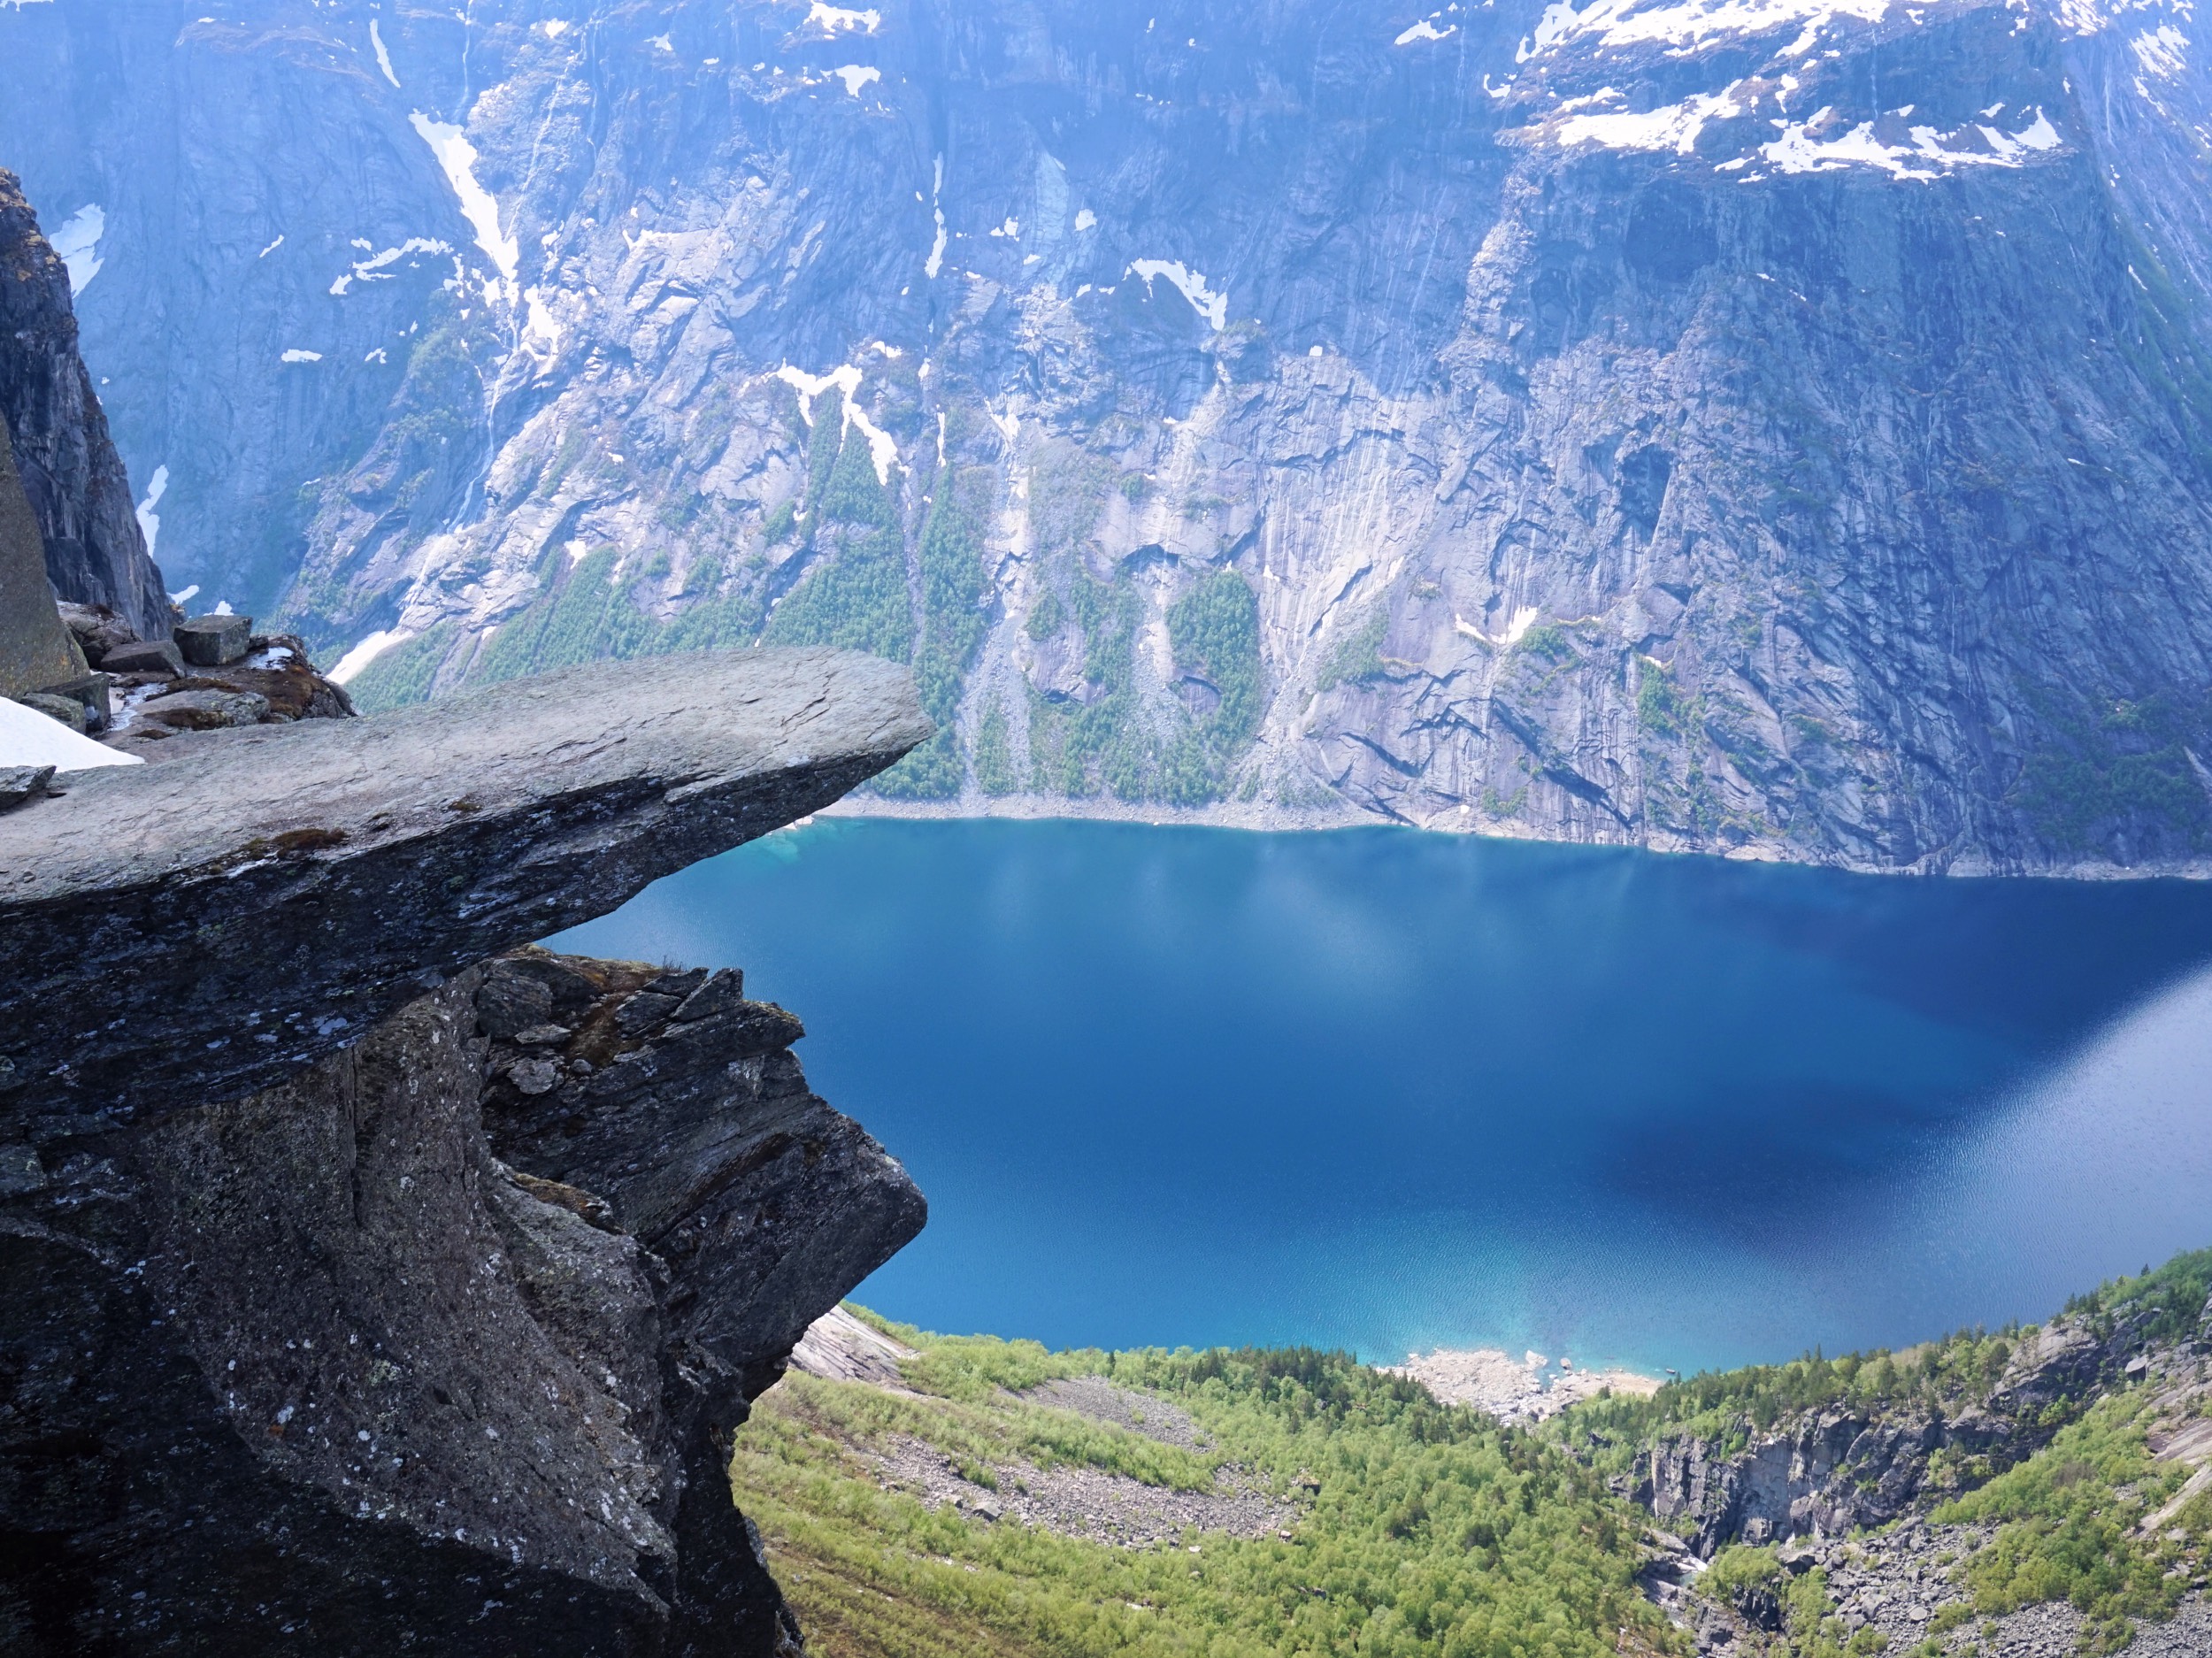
1776	428
95	551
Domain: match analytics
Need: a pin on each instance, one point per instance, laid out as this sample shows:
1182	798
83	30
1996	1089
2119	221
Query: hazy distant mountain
1773	425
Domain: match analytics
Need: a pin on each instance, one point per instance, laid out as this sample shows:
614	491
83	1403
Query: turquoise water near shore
1386	1090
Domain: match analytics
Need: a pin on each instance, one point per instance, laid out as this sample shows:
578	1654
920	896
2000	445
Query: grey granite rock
269	901
65	709
144	655
95	550
35	648
21	783
205	709
694	1122
213	641
313	1370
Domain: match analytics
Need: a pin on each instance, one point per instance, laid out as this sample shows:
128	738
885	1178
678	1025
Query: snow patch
149	520
857	75
2163	51
78	243
834	19
1517	628
1425	30
186	596
458	157
1930	156
1675	127
883	448
555	28
30	738
372	269
367	651
1690	22
271	248
1085	220
541	328
297	356
1191	284
383	57
1011	228
936	260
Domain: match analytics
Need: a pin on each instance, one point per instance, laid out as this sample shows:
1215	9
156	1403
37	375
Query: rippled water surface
1385	1090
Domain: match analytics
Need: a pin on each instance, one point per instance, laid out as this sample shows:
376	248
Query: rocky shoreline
1266	817
1529	1389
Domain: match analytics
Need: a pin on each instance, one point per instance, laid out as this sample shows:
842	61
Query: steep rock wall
95	553
1777	432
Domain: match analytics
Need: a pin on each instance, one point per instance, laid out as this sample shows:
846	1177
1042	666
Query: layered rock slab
307	1363
184	932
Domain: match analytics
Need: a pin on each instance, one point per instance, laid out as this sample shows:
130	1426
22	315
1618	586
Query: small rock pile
213	672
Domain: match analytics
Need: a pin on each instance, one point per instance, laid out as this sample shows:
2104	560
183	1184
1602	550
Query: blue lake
1387	1091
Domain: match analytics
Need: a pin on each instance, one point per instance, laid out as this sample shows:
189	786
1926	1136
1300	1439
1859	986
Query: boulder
205	709
97	630
35	648
214	642
67	710
89	692
144	655
19	783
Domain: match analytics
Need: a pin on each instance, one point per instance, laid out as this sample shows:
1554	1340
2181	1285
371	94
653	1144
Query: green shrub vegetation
1549	642
855	594
404	673
580	615
1047	617
995	753
2126	765
953	625
1357	656
1434	1531
2065	1522
1214	630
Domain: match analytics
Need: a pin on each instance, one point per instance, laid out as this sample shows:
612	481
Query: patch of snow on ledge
856	75
296	355
2164	52
1191	284
883	448
77	242
30	738
149	520
1425	30
1689	22
1675	127
1930	156
367	651
383	57
833	19
373	268
458	157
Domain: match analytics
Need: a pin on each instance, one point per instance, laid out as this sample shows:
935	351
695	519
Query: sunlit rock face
1776	426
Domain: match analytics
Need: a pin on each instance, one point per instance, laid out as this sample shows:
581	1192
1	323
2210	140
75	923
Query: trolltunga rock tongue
195	931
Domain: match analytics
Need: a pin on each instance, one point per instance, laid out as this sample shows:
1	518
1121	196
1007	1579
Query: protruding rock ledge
197	931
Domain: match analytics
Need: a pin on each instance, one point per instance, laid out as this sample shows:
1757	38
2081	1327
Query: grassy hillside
1000	1498
1327	1509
